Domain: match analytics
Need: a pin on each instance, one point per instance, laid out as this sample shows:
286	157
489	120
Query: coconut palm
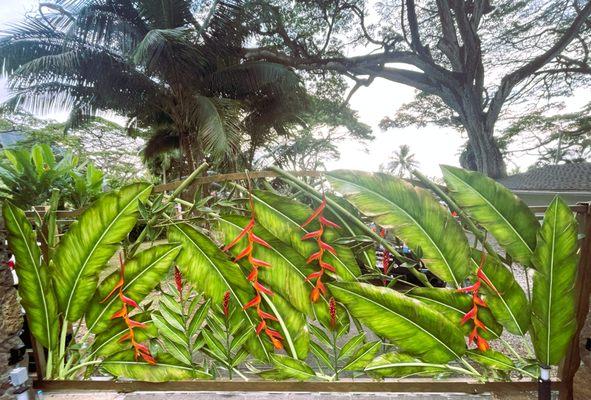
402	163
172	67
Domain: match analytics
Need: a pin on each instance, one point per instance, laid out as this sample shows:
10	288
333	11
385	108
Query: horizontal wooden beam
404	385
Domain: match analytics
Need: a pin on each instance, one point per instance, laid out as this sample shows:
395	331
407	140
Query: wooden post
572	360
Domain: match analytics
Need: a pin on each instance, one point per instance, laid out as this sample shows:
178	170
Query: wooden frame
564	384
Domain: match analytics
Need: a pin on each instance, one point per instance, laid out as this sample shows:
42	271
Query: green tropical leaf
506	299
321	354
415	217
35	288
123	365
168	331
107	342
362	357
492	359
454	305
497	209
399	365
283	218
289	270
210	271
288	368
293	326
352	345
90	243
143	273
553	295
414	327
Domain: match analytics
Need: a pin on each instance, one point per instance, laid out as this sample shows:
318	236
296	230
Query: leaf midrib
96	244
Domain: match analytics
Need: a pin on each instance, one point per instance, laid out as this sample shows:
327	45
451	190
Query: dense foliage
274	284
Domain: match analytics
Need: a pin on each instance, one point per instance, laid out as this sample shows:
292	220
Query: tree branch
511	80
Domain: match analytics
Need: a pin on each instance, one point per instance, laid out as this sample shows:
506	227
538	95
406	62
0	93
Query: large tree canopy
174	68
474	57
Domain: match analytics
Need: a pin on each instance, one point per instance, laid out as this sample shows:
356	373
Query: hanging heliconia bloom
475	336
139	350
254	240
178	280
319	288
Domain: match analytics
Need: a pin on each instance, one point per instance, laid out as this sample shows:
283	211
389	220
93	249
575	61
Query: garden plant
280	282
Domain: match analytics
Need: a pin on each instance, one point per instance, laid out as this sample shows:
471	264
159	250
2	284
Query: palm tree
402	163
172	67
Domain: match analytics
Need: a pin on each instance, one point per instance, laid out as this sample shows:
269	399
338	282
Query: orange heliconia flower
253	241
319	288
477	301
139	350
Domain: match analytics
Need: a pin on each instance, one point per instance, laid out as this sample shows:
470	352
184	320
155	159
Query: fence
564	384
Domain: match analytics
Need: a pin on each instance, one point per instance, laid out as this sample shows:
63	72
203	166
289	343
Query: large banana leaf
211	272
498	210
90	243
123	365
283	218
507	300
414	327
143	273
287	276
454	305
414	216
553	296
35	289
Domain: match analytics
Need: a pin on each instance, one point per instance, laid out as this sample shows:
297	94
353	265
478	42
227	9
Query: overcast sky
431	145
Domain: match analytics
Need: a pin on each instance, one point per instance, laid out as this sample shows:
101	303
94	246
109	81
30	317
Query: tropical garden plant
276	288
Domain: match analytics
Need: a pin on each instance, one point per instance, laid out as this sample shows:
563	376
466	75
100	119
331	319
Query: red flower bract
253	241
139	350
475	336
319	288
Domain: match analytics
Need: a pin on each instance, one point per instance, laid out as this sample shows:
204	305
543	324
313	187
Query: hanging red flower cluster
475	337
255	264
139	350
319	287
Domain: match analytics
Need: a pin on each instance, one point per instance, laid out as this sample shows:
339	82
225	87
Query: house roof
563	177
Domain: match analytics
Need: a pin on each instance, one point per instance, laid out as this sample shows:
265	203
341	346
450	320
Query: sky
431	145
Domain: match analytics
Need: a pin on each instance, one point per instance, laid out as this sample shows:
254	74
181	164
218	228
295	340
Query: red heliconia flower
226	303
319	287
139	350
332	308
255	263
474	289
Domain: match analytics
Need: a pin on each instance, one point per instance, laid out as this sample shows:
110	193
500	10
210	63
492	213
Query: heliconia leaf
143	273
167	330
362	357
198	318
283	218
288	368
351	345
414	327
506	299
492	359
211	272
414	216
455	305
497	209
292	325
123	365
287	276
35	287
553	295
399	365
89	243
321	354
108	342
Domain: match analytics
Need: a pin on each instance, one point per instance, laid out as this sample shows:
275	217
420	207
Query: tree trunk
487	154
